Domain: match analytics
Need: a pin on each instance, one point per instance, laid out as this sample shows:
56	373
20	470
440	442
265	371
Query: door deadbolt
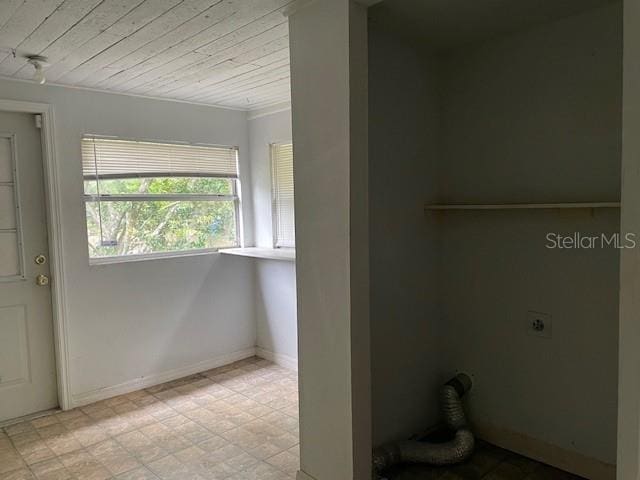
40	260
42	280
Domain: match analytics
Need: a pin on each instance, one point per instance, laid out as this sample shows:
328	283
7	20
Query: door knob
42	280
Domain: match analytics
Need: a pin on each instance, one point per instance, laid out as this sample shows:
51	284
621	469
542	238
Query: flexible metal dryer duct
454	451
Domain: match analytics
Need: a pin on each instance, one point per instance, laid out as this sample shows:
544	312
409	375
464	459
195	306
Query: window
146	198
282	195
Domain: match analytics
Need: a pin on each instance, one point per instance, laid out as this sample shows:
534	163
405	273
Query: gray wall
143	319
275	300
532	117
403	112
628	465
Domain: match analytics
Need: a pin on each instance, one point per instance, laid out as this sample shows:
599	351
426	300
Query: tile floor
238	422
487	463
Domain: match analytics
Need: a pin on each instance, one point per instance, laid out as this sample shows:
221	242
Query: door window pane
6	164
9	254
7	208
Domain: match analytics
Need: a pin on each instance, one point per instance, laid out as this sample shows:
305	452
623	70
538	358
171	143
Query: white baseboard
92	396
567	460
303	476
278	358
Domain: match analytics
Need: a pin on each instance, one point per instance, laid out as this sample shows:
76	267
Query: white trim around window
122	175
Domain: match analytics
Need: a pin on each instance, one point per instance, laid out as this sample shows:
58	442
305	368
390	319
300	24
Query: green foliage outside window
125	227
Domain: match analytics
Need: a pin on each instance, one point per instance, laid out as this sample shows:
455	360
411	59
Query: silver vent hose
454	451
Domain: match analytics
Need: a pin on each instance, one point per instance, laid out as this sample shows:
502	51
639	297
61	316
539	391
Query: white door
27	362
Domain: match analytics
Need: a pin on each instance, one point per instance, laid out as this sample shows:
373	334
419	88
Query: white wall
133	320
332	279
275	299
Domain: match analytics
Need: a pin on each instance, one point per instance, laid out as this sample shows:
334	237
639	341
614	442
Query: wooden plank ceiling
223	52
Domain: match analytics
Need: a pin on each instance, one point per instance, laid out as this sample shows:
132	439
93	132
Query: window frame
274	209
235	196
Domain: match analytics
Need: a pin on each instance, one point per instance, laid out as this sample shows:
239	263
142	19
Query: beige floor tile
17	428
63	443
224	453
190	455
245	438
34	452
84	467
138	419
45	421
92	472
170	468
69	415
88	435
213	444
150	453
205	427
295	450
114	425
292	410
125	407
286	462
156	431
286	440
141	447
141	473
75	458
265	451
21	474
173	443
5	442
132	440
51	470
24	438
10	459
241	462
112	456
212	470
262	471
115	401
140	397
282	421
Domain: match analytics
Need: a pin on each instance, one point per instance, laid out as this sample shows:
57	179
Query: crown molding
263	112
126	94
300	4
296	7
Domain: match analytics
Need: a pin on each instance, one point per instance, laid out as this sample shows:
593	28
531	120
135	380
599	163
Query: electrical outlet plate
539	324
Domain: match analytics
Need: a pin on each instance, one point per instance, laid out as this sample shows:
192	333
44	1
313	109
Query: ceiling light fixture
38	62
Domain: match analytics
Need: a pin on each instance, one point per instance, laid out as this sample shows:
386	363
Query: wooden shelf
521	206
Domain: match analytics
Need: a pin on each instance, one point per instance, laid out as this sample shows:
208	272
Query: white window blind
283	204
114	158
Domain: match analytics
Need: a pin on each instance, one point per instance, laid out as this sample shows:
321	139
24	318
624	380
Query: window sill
149	256
285	254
